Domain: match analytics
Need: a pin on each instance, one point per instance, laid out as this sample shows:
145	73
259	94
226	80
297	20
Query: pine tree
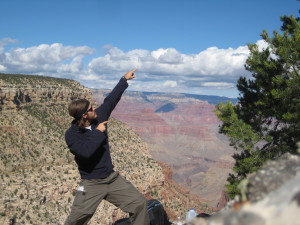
266	122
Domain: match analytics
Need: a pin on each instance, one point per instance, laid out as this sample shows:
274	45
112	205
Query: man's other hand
102	126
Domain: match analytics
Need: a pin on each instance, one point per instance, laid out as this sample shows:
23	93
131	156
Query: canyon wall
181	131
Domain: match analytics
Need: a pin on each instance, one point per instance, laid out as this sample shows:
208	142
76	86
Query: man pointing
88	141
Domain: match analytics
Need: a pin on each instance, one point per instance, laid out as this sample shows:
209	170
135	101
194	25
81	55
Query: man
87	140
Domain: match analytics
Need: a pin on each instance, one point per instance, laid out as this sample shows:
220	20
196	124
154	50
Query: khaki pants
114	189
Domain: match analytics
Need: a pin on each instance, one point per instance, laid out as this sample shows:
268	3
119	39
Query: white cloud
218	85
170	83
220	62
2	68
74	67
45	59
6	41
170	56
212	62
88	77
262	44
160	70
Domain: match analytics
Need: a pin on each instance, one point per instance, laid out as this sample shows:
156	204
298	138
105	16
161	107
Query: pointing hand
130	75
102	126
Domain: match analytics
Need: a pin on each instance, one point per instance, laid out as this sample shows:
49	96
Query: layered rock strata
182	132
17	91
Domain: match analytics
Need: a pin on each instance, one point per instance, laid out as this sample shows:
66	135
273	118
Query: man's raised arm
114	97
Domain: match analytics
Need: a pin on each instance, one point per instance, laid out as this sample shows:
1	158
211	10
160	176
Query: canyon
182	131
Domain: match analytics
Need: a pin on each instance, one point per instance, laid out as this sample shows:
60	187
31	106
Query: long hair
76	109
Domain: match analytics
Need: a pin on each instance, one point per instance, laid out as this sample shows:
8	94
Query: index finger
105	122
134	70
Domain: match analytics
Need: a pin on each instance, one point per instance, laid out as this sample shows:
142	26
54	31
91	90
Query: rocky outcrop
271	176
272	196
17	91
224	199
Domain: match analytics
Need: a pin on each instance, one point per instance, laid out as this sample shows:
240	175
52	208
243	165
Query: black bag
157	214
124	221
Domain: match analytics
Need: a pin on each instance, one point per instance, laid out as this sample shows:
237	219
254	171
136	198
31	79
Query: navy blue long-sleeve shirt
90	147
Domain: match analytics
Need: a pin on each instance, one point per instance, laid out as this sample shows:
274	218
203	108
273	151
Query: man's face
91	113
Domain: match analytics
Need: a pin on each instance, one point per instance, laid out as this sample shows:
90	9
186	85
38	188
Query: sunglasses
89	110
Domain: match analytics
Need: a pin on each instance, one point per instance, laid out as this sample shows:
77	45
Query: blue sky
188	46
